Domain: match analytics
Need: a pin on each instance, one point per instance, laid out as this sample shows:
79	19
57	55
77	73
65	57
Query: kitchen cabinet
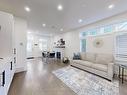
6	74
6	32
7	66
13	39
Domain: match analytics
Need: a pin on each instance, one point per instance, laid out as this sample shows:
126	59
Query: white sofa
99	64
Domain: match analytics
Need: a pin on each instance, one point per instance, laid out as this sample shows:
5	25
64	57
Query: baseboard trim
22	69
30	57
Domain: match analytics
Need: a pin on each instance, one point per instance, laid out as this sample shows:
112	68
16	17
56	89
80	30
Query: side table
123	66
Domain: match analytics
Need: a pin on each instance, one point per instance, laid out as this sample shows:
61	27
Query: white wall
73	41
20	31
107	47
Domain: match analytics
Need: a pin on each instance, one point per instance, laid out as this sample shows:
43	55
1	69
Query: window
29	49
83	45
108	29
122	26
84	34
93	32
105	29
121	47
29	43
43	44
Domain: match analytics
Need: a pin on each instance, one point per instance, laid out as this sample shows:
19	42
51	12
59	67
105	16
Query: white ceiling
45	11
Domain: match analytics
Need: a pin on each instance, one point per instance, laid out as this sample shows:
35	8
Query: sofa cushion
100	67
104	58
84	63
90	57
83	56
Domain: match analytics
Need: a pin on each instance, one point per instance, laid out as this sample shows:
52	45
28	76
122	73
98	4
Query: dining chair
44	56
52	56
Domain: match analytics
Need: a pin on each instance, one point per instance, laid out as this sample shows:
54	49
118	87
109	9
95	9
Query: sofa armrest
71	61
110	70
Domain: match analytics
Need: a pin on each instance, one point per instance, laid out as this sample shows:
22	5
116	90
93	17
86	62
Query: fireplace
58	55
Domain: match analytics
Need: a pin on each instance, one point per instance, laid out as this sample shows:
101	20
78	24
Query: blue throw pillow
76	56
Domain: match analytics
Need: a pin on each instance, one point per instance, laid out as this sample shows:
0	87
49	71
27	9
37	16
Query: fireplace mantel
61	51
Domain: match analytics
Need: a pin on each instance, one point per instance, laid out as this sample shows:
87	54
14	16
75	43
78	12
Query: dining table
47	55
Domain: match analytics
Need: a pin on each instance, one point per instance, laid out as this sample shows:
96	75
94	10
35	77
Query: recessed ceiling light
111	6
44	25
61	29
60	7
27	9
29	32
80	20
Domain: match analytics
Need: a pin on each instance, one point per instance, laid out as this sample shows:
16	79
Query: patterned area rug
84	83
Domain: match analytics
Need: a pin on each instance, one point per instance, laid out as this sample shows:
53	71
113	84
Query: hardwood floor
39	80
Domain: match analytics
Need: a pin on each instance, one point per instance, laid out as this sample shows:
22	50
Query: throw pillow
76	56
